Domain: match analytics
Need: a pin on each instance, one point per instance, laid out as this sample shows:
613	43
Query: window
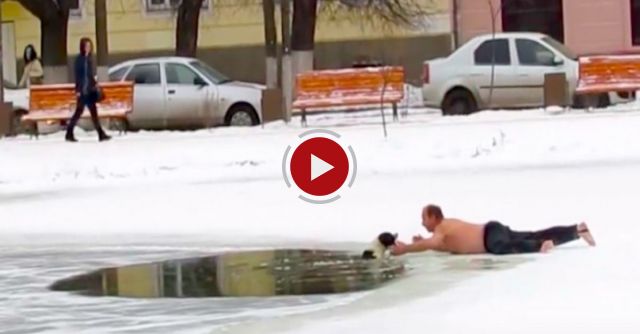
635	22
543	16
533	53
179	74
166	5
208	71
494	51
75	9
145	74
560	47
118	74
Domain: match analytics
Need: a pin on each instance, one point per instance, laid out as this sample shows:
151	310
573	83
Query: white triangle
319	167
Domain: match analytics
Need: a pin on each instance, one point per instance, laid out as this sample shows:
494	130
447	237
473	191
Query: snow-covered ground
66	208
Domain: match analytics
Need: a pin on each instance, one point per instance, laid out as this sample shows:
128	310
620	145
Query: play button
319	166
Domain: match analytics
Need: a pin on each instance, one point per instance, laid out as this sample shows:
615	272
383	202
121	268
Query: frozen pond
29	307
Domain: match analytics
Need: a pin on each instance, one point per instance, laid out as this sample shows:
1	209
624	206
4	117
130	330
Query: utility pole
287	73
102	40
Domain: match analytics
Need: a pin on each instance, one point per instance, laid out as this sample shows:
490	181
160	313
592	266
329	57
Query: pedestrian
32	73
87	91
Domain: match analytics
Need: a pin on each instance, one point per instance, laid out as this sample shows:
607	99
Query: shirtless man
459	237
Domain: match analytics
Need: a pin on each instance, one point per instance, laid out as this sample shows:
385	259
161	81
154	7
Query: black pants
500	239
81	103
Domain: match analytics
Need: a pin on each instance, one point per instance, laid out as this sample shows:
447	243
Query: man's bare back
460	237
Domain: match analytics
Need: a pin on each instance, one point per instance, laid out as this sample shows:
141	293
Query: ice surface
69	208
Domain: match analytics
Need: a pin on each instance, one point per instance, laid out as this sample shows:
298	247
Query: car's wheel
242	115
593	101
603	100
119	124
459	102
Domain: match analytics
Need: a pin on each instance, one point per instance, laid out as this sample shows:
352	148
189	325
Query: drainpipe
456	37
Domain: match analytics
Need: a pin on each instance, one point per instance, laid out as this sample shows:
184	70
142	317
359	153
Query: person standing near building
87	91
33	73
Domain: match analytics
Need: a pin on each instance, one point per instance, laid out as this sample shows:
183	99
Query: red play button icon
319	166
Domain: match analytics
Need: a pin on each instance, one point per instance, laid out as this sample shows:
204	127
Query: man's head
431	217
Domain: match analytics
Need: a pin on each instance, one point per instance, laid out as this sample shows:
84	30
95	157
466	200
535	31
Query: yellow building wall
230	23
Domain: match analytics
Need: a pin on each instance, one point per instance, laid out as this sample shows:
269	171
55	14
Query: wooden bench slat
327	88
58	101
600	74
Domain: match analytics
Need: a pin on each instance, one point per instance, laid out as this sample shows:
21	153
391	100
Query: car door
148	98
534	61
187	96
493	55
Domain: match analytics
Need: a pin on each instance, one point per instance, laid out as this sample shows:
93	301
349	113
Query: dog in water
380	246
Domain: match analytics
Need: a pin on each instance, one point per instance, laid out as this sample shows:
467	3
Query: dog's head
380	245
387	239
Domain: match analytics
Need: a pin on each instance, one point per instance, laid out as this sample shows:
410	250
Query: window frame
133	66
634	22
495	63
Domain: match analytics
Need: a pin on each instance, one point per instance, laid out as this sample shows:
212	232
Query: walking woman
33	73
87	91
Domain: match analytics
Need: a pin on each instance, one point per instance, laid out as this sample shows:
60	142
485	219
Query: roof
154	59
513	35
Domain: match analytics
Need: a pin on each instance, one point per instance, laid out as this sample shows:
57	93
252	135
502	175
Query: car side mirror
557	61
139	80
199	82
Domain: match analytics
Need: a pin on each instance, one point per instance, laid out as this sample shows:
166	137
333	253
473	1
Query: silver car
186	93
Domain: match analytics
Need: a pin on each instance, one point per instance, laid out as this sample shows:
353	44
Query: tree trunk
187	28
270	43
54	20
102	43
54	48
303	35
287	73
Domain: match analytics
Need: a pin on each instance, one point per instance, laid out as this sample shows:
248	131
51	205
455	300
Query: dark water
28	305
258	273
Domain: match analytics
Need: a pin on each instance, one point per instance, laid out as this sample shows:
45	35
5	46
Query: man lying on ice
460	237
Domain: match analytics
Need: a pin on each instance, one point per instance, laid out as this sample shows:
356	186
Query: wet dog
380	245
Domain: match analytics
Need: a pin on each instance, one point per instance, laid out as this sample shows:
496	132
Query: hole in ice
239	274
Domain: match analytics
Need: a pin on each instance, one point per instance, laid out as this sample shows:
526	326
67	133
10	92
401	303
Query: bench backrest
354	82
608	73
62	97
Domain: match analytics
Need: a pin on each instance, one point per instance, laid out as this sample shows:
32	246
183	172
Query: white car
461	83
179	92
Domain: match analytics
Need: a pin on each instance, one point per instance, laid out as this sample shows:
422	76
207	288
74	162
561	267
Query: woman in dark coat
86	91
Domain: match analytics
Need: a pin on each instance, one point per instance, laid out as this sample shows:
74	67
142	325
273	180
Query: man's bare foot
547	246
583	232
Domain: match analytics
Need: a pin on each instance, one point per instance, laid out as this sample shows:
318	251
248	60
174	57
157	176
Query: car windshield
560	47
210	72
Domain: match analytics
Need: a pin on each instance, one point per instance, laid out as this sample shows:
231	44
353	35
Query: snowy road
65	209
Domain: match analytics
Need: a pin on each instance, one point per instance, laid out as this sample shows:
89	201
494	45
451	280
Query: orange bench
316	90
58	102
603	74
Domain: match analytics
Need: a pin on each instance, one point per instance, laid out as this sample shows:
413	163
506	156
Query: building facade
231	35
586	26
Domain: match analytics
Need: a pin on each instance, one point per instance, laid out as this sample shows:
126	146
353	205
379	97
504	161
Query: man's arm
433	243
